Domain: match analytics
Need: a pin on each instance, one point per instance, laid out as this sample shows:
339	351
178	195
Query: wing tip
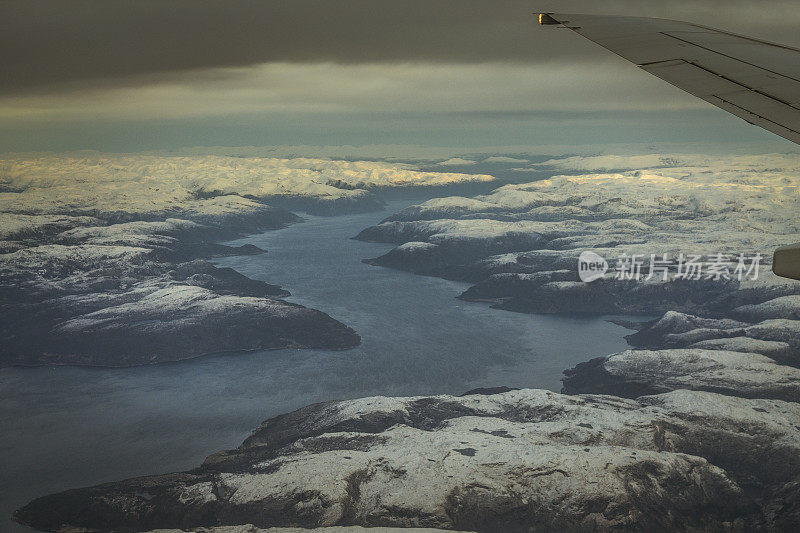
545	19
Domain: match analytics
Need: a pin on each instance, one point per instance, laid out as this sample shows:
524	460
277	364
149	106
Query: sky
131	75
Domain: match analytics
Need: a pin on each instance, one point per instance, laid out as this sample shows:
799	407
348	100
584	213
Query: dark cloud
47	44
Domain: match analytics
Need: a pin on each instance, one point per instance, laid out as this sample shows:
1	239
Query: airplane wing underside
755	80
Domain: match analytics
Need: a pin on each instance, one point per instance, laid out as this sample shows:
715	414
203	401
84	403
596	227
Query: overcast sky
143	74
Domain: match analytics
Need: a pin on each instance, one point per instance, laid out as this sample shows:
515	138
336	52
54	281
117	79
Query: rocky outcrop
633	373
782	307
655	333
507	286
169	323
511	461
777	338
606	297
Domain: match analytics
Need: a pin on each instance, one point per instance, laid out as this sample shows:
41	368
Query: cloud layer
374	87
47	43
122	76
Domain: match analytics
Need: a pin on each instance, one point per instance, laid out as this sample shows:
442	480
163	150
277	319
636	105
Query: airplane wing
755	80
752	79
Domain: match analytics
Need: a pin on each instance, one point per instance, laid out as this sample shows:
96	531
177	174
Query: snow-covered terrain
636	372
724	331
520	244
703	209
148	186
513	461
701	433
101	254
89	290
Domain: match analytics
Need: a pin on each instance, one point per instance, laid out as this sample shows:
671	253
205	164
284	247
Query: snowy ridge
149	184
509	460
636	372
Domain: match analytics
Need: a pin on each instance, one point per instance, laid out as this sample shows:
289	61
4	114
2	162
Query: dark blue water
67	427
